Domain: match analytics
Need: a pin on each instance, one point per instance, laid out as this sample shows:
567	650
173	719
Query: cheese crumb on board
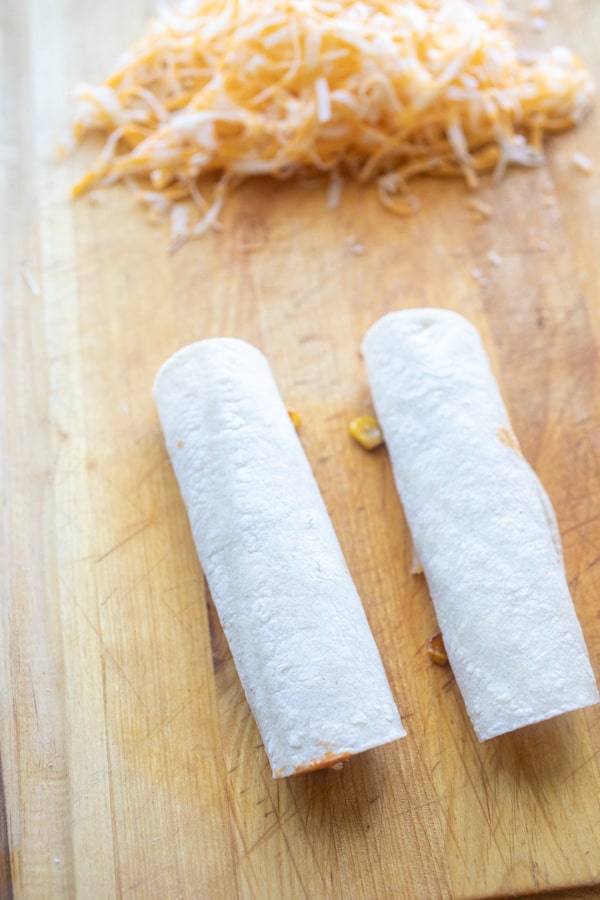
494	257
371	90
482	209
583	163
30	281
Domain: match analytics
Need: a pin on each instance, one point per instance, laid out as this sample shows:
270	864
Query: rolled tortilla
300	639
482	524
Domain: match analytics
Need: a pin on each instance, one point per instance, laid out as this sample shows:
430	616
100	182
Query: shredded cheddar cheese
218	90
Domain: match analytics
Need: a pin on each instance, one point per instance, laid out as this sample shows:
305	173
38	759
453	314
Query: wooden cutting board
131	766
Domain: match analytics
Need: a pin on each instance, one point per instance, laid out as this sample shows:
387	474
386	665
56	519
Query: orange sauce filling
329	759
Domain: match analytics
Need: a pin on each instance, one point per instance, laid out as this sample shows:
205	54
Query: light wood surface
131	766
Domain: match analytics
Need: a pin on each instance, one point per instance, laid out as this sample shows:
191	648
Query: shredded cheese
583	163
480	207
30	281
218	90
495	258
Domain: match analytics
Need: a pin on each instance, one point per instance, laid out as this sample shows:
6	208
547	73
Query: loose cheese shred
583	163
219	90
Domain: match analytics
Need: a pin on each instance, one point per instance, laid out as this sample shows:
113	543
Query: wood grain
131	766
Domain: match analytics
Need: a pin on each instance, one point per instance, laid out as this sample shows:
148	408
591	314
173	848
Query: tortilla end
491	733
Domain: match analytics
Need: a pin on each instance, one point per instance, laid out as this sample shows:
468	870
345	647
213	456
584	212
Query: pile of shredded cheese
219	90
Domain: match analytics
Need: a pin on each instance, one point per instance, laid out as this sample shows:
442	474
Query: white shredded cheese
583	163
495	258
30	281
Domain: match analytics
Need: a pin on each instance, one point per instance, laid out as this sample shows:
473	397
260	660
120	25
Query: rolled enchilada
297	630
482	525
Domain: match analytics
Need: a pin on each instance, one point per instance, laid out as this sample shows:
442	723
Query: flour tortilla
294	622
482	524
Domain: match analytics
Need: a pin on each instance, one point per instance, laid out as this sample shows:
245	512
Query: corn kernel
366	430
436	650
295	417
